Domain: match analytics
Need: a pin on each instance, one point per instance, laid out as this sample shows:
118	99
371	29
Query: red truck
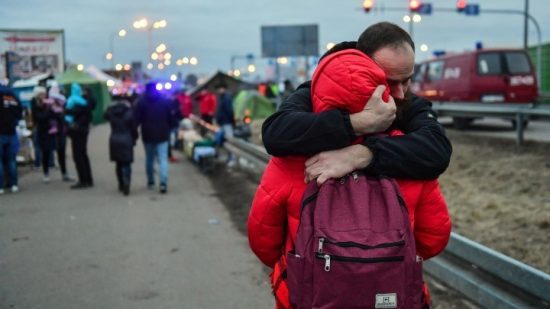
485	75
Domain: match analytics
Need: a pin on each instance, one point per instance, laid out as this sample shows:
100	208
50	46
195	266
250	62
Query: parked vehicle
485	75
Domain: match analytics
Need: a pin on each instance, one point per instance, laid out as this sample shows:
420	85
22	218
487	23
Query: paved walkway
95	248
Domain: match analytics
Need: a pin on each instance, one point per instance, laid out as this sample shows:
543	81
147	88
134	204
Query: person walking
10	114
78	115
153	114
122	141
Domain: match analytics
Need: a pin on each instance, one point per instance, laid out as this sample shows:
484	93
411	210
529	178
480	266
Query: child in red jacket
347	76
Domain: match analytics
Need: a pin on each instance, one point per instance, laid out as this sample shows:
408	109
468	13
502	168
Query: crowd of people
53	118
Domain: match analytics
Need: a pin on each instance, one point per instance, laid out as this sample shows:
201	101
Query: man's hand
337	163
377	115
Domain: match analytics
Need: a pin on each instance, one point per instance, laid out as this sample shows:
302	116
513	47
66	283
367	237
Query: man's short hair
382	34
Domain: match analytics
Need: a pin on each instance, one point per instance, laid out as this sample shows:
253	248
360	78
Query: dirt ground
498	195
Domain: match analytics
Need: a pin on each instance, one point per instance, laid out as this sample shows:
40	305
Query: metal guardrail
488	277
517	112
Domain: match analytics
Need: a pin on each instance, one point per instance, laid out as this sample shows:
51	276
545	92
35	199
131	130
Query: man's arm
296	130
424	152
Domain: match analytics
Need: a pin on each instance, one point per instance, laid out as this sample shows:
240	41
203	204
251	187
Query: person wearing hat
10	113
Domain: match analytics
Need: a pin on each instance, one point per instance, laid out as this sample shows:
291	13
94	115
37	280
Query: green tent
253	103
98	88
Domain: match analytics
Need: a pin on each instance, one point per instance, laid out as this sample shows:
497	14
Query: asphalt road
95	248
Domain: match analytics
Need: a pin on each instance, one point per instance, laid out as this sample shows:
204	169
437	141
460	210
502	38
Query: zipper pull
355	176
327	262
321	241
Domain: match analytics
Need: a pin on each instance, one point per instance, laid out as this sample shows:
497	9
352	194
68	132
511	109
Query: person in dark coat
122	141
78	116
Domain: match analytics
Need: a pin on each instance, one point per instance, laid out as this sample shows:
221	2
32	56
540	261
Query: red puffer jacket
275	213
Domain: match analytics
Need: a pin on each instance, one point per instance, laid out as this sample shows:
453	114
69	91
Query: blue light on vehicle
167	86
158	86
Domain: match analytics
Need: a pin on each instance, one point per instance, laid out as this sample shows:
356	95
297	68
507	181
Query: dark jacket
424	152
154	114
10	111
224	114
123	132
42	116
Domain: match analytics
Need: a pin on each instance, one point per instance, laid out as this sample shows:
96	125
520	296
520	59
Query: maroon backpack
354	247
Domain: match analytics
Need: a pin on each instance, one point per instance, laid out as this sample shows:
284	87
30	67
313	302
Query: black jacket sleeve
424	152
295	130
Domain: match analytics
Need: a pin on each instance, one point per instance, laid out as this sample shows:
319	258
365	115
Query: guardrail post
519	128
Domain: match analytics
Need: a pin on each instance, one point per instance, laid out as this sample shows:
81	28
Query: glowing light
237	73
142	23
158	86
160	66
330	45
407	18
251	68
167	86
161	48
185	60
173	77
417	18
149	66
127	67
122	33
110	83
179	62
109	56
154	56
118	67
80	67
424	47
168	56
193	61
282	60
167	62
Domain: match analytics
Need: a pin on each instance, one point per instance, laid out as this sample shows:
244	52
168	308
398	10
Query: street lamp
410	19
144	24
110	55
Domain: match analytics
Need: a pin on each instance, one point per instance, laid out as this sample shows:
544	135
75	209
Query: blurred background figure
10	113
78	115
59	134
225	117
153	113
45	127
122	140
207	107
174	126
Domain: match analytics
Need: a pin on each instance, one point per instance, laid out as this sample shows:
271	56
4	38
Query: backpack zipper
345	244
329	258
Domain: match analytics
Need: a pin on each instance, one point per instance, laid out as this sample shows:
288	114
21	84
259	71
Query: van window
489	64
517	63
435	70
420	73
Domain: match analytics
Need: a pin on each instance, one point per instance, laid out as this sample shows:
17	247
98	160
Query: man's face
398	64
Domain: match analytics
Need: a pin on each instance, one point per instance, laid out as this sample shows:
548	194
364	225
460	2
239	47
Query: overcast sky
213	31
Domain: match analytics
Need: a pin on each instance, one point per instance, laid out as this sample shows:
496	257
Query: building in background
29	52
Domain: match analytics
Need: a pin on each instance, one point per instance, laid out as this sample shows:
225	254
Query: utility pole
526	24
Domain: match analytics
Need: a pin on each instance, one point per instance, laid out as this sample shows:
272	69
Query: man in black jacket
423	153
10	114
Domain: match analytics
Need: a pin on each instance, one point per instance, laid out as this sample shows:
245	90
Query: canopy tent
102	76
23	88
254	104
97	87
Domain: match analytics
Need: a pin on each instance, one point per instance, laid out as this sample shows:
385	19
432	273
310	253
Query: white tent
102	76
